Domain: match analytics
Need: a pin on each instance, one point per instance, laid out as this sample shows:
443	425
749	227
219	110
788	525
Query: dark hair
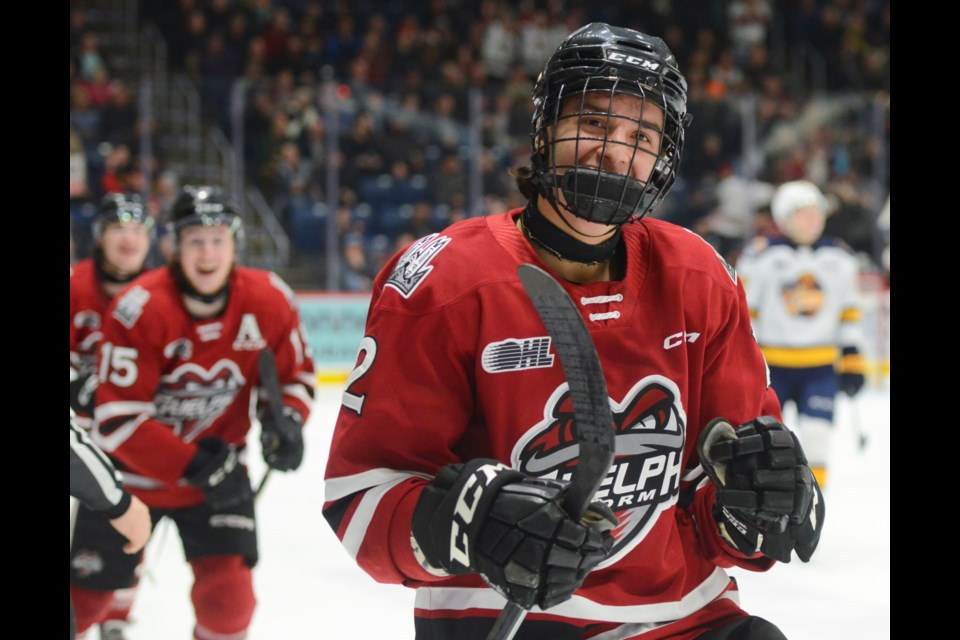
524	179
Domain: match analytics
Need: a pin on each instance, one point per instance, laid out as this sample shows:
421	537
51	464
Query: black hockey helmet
204	205
612	60
120	207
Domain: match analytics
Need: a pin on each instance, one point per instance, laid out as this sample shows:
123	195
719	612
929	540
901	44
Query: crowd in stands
404	74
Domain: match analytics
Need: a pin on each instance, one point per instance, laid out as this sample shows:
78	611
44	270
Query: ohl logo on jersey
191	398
644	479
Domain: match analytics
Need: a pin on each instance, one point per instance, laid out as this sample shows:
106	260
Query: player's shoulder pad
687	248
80	269
264	287
437	267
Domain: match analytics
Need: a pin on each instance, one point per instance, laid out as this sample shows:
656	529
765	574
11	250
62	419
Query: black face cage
589	192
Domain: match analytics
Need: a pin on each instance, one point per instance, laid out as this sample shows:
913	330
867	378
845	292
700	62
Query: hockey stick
267	365
857	424
593	423
263	481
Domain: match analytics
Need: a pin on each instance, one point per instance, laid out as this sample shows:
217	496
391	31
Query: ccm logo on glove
466	508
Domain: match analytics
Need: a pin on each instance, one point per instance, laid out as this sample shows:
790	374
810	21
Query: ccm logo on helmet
622	57
208	207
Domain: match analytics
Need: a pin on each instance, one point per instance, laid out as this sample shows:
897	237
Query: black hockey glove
767	498
851	371
216	470
484	517
82	394
282	440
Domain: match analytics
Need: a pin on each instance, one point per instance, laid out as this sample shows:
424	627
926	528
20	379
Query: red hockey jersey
168	380
456	364
88	302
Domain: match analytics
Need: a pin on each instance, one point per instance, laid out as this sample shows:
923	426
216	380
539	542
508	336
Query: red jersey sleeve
735	386
294	359
413	384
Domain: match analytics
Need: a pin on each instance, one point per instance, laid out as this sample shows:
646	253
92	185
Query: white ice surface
308	588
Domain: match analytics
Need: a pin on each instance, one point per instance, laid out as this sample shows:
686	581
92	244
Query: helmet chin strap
561	244
188	290
99	262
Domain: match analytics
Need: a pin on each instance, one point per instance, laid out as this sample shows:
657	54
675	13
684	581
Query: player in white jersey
802	290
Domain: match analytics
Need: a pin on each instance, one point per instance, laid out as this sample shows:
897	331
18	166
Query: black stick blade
593	422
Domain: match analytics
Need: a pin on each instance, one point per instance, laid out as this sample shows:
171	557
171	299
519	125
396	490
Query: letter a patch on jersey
414	265
249	337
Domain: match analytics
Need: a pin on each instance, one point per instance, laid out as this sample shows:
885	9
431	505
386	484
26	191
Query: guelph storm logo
644	479
190	398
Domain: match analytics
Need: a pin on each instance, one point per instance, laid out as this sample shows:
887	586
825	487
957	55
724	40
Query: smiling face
207	254
125	246
620	135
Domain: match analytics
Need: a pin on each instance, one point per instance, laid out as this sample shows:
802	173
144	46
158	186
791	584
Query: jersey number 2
368	347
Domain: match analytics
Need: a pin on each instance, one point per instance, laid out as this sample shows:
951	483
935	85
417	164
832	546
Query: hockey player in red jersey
123	230
453	446
177	368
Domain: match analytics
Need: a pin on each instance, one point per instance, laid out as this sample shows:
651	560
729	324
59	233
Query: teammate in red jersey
177	368
453	446
122	230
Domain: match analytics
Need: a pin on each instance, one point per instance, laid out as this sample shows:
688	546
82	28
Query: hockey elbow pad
484	517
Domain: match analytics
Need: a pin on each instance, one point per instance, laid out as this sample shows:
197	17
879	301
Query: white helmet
794	195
